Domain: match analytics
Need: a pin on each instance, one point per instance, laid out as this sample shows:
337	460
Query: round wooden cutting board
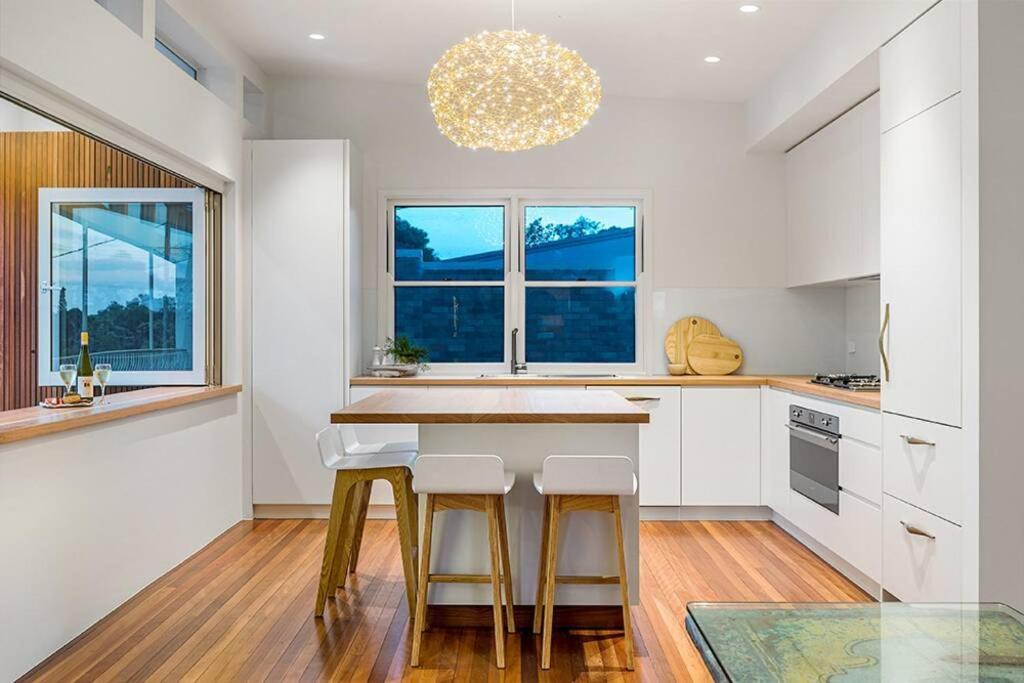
679	337
713	355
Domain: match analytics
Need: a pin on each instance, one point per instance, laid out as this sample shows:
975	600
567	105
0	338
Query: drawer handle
915	531
914	441
639	399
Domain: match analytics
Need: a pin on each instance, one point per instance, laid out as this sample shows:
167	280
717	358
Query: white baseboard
866	584
753	513
315	512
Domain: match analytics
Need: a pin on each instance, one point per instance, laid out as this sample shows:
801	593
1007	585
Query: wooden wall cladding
29	161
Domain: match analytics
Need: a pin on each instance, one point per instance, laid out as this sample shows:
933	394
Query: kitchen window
463	274
129	267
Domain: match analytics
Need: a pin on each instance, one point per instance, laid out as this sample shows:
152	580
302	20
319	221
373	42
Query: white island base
586	539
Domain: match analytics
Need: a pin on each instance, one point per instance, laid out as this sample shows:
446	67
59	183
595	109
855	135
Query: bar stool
466	482
579	483
356	466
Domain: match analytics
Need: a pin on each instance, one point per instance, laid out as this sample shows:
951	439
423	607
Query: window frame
392	283
174	56
515	283
197	197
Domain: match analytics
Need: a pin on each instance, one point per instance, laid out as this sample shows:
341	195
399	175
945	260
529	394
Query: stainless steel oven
814	456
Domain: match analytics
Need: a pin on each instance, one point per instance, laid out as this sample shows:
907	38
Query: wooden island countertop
492	406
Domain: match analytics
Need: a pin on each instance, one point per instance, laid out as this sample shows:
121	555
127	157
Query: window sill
28	423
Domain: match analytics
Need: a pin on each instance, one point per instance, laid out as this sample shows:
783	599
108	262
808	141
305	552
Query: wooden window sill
28	423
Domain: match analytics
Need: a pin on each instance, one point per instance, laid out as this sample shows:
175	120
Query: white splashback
782	331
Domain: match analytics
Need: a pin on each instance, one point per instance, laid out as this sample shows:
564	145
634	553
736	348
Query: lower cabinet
721	453
922	554
659	442
381	492
775	450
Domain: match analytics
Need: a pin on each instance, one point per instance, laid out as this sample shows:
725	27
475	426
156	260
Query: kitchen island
522	427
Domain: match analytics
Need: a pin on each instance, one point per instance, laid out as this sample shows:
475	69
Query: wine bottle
84	369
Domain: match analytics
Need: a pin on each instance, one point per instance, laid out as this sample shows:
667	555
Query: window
177	60
568	277
128	266
449	266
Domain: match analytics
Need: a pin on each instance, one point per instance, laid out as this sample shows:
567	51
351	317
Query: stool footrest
588	580
459	578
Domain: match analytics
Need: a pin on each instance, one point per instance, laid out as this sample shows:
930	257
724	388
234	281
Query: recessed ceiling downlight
317	36
711	59
749	9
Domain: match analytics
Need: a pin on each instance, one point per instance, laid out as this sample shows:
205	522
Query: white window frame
515	275
49	196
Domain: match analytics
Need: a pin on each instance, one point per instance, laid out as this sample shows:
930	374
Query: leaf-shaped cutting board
713	355
682	333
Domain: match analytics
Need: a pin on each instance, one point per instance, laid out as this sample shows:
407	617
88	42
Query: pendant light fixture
511	90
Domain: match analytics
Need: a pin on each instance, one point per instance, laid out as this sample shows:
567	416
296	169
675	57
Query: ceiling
640	48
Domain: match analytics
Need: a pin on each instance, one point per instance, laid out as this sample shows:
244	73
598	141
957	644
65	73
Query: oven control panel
814	419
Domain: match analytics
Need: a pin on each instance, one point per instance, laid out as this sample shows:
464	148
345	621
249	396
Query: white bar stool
580	483
356	466
466	482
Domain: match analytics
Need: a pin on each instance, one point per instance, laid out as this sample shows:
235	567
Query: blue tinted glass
176	59
442	243
454	324
580	324
125	277
581	243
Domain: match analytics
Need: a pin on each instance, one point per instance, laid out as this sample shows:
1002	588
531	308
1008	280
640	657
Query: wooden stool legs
543	611
345	528
500	574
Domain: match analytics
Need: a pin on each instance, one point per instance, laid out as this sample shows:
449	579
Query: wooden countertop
492	406
27	423
796	384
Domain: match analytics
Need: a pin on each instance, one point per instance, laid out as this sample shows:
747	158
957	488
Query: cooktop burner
850	382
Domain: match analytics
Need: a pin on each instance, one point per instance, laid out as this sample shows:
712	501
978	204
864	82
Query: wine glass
102	374
68	374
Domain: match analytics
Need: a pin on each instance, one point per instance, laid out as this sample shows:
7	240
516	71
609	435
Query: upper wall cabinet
920	67
832	188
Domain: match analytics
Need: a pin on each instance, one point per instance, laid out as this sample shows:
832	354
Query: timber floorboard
241	609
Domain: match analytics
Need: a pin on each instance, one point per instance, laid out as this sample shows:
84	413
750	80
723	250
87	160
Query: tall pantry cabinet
951	116
301	198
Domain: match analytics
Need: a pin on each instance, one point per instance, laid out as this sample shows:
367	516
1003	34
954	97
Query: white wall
718	214
15	119
832	72
126	500
863	320
92	516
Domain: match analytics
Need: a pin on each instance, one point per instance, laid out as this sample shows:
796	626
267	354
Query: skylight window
176	59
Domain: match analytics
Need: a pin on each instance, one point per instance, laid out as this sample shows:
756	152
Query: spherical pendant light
510	91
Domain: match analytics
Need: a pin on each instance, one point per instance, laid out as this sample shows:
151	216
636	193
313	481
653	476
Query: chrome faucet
517	367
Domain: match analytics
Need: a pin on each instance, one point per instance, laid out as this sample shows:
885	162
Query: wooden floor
242	610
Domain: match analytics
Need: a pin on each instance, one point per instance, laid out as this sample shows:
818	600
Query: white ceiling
643	48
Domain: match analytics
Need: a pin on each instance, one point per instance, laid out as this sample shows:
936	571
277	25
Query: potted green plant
404	352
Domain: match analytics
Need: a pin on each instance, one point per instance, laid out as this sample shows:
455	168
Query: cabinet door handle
915	531
881	343
638	399
914	441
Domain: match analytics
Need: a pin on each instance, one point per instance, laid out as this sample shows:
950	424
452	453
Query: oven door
814	466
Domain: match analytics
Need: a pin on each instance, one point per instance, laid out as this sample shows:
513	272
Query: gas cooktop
849	382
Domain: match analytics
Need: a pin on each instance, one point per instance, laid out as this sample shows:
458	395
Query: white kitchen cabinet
832	200
660	464
921	66
721	454
775	449
301	290
921	265
381	493
923	465
923	554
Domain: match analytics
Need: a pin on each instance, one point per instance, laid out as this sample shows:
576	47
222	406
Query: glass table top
854	642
